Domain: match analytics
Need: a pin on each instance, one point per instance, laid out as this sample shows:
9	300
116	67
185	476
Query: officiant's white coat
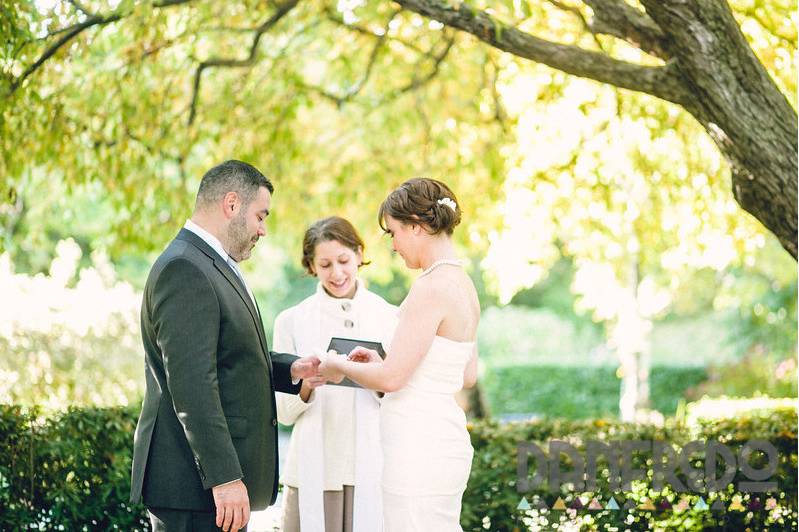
336	436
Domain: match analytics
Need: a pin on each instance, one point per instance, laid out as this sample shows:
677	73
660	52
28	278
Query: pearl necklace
436	264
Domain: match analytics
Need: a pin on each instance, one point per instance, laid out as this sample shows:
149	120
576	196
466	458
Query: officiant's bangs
331	228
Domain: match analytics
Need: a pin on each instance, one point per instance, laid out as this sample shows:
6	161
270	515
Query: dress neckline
436	264
465	342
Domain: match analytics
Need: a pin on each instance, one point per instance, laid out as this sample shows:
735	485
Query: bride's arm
418	323
470	373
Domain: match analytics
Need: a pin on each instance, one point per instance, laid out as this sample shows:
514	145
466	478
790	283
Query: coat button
346	307
274	423
349	324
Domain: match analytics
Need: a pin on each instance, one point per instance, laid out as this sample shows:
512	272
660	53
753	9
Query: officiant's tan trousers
338	510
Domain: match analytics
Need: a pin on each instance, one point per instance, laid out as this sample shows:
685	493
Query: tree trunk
739	105
631	334
473	402
628	396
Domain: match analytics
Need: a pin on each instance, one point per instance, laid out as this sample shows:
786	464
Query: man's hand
305	367
232	506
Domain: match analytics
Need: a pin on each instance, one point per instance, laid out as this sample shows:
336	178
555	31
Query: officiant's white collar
210	239
326	298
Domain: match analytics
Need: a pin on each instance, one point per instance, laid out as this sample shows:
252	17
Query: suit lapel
238	285
263	339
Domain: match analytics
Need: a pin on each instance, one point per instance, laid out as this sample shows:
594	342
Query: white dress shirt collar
209	239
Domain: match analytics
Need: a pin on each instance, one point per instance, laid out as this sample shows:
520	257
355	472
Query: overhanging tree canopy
708	68
695	56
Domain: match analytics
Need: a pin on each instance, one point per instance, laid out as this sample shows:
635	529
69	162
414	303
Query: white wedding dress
426	449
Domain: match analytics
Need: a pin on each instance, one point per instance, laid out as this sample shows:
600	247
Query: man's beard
239	240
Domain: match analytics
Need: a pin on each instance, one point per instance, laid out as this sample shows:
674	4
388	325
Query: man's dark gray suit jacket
208	415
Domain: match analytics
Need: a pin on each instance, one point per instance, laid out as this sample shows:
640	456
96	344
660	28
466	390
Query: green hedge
579	392
67	472
71	471
491	500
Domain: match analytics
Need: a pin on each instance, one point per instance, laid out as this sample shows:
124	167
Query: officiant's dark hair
424	201
327	229
232	176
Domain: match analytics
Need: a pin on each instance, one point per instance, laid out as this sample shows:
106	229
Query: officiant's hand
362	354
310	384
331	367
305	367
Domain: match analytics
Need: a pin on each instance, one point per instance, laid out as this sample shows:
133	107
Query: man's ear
230	204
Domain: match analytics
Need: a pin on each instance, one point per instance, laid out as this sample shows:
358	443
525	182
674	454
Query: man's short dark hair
232	176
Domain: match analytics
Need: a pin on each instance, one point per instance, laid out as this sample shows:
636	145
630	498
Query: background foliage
597	222
491	498
71	471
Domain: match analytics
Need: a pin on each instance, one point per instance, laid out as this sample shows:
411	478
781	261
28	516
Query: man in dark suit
205	449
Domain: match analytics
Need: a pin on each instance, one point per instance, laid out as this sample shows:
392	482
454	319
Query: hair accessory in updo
421	201
449	203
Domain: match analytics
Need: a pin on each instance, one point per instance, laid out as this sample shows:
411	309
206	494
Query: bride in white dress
426	448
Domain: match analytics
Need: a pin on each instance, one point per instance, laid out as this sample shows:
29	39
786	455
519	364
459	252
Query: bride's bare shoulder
426	287
441	285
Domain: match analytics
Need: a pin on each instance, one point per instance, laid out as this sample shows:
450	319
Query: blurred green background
623	287
618	276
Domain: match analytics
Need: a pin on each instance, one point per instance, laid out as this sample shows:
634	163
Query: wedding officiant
332	473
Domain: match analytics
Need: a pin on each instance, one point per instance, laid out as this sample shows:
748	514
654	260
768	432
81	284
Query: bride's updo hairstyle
423	201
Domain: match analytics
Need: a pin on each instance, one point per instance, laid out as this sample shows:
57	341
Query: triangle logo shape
523	504
646	505
612	504
771	503
559	504
700	504
736	505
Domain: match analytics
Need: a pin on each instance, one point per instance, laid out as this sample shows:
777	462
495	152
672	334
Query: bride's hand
330	368
362	354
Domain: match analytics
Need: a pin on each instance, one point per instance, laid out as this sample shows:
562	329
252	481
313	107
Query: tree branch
663	81
337	19
355	89
213	62
500	114
577	13
620	19
418	82
75	30
80	7
381	39
70	34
